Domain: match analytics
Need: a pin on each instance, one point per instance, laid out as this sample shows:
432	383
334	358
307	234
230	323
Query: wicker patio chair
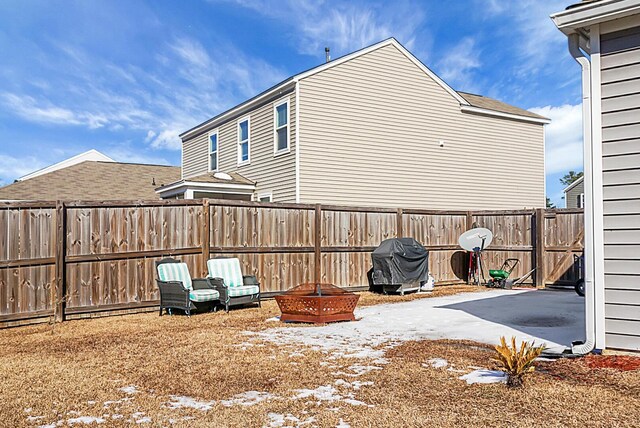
234	288
179	291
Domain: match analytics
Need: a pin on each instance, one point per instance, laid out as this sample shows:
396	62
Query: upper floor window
243	141
281	127
213	151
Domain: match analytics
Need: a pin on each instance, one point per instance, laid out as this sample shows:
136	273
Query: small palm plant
516	363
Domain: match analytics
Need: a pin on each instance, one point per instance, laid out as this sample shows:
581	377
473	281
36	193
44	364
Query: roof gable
389	42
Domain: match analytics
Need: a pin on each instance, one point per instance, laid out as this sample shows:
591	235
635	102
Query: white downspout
589	344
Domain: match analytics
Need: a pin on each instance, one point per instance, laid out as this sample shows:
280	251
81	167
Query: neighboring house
91	180
574	194
604	37
373	128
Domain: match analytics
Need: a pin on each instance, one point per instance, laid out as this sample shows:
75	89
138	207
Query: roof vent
222	176
327	55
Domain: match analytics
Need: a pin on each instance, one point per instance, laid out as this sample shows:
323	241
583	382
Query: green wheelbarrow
500	277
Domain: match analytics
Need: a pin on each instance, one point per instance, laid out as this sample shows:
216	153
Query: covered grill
399	265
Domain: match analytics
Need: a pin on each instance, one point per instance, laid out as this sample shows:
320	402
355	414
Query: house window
281	127
213	151
265	197
243	142
581	200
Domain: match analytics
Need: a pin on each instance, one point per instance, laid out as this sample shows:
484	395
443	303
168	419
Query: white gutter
589	344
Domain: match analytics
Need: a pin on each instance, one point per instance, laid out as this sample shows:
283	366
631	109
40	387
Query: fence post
399	227
317	242
469	220
60	291
206	235
539	251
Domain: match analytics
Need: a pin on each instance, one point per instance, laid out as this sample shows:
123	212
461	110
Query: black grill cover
400	261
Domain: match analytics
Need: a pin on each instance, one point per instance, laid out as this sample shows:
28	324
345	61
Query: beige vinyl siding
273	174
572	197
195	156
370	131
620	75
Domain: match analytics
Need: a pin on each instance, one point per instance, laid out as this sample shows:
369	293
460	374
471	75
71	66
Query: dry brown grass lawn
78	369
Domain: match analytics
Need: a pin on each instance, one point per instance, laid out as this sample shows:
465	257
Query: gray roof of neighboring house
478	99
210	177
94	181
495	105
574	184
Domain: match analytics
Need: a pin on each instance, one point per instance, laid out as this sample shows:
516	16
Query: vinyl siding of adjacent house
620	73
273	174
575	196
370	130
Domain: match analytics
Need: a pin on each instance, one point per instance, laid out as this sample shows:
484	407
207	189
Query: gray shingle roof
94	181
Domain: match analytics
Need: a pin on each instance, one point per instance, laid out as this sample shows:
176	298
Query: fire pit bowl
317	303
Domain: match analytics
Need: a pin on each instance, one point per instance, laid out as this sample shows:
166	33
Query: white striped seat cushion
243	290
175	272
203	295
228	270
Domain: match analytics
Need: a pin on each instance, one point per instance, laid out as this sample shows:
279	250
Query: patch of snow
28	410
48	425
249	398
129	389
34	418
181	401
277	420
144	420
327	393
296	354
356	384
343	424
466	316
438	363
117	416
85	420
273	319
484	376
91	402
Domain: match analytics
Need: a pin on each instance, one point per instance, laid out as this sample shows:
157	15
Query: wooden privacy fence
79	259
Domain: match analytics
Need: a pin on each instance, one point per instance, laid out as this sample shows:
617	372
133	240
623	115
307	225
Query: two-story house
373	128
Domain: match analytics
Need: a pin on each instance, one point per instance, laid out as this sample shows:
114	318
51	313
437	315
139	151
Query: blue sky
126	77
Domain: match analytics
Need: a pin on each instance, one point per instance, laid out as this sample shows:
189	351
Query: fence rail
77	259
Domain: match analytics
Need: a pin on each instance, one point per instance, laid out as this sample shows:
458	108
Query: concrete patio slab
554	318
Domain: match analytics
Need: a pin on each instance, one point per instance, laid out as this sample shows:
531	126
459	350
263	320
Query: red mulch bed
618	362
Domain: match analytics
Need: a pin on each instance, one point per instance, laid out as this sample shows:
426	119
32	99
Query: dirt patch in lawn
203	371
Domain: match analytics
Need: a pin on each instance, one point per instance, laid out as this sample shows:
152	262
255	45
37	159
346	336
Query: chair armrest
250	280
171	286
202	284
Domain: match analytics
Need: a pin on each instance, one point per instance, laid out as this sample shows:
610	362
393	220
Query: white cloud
457	67
343	26
563	137
160	103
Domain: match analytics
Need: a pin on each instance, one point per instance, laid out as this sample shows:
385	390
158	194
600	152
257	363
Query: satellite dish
476	239
222	176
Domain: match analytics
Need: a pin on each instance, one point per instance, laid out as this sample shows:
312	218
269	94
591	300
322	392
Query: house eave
503	115
179	186
572	185
573	19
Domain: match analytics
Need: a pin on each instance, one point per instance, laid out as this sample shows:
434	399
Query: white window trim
265	195
239	151
581	201
277	104
214	132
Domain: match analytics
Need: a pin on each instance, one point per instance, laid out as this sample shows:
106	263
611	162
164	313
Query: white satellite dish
222	176
476	239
